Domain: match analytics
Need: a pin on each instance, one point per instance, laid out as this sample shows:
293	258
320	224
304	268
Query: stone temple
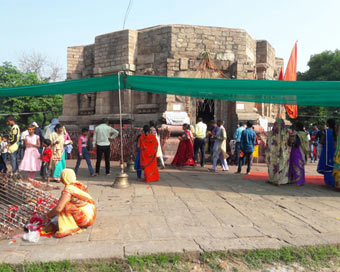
174	51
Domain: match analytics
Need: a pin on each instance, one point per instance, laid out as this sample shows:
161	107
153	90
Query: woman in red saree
185	152
148	145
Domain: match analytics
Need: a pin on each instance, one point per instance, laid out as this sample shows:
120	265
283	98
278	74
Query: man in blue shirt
247	143
237	138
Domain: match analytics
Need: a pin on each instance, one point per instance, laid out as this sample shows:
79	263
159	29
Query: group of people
46	151
195	138
288	150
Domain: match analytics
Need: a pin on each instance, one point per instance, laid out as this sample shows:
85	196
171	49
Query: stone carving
87	104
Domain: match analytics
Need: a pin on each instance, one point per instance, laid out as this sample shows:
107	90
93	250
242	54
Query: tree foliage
322	67
10	76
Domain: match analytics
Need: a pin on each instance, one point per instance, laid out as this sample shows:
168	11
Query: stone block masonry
165	50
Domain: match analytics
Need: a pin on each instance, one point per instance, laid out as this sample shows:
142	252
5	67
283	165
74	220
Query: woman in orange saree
148	145
75	210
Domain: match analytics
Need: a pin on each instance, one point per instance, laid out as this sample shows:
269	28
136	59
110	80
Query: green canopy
310	93
83	85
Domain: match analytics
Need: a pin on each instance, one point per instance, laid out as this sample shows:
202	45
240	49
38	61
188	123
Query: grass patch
310	257
317	256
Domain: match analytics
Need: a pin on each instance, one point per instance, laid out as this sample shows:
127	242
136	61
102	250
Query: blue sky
48	27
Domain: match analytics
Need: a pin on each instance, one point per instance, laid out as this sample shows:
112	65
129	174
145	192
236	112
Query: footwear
108	174
211	170
95	175
237	173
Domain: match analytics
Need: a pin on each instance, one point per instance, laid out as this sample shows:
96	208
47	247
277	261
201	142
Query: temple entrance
206	110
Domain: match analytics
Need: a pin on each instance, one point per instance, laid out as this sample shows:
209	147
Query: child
83	151
68	144
45	171
3	168
4	148
31	162
137	162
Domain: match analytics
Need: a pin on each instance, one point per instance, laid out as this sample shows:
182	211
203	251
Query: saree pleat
296	173
326	162
185	152
148	157
59	167
336	170
80	212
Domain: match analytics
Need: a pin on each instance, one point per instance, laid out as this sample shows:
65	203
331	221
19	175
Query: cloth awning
310	93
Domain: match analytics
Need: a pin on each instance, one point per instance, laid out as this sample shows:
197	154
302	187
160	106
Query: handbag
13	148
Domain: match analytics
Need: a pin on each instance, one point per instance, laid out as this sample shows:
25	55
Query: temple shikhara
173	51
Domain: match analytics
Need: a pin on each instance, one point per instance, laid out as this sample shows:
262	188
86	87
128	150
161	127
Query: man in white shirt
101	140
200	133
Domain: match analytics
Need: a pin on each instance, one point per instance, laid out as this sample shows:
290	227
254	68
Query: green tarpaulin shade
311	93
84	85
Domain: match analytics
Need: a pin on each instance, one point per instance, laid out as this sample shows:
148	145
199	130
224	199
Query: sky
49	27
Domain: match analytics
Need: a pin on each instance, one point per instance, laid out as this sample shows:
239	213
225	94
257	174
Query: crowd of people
288	151
46	150
196	140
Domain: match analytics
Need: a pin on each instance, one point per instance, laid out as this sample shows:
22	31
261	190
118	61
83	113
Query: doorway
206	110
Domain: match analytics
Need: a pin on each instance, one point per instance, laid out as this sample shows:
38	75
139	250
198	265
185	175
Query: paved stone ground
191	210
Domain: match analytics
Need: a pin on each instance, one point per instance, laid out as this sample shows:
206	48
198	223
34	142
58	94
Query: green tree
322	67
10	76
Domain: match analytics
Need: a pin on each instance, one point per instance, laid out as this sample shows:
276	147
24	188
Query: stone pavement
191	210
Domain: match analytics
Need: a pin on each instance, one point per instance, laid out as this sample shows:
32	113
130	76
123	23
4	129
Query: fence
129	143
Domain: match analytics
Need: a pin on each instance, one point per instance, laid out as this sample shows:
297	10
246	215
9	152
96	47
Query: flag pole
122	180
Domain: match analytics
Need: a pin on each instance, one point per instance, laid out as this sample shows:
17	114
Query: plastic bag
32	236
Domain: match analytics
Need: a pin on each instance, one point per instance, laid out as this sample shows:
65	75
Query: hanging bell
131	165
122	180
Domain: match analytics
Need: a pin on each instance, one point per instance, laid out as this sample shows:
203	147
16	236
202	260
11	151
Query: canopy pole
120	124
121	180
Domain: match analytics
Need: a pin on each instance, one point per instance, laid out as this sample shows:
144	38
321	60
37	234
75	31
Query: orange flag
290	75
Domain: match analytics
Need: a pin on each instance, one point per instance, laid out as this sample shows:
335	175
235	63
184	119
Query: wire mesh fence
19	201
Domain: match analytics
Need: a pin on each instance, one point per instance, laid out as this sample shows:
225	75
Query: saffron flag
290	75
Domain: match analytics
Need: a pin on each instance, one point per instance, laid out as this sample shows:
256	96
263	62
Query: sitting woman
76	209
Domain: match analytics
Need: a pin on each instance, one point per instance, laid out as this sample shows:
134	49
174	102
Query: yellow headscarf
68	176
72	186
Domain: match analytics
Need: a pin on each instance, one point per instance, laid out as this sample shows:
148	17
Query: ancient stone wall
152	51
170	50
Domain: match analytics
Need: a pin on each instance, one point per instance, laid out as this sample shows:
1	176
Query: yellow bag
13	148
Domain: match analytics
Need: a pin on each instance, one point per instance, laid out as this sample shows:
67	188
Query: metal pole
120	125
121	180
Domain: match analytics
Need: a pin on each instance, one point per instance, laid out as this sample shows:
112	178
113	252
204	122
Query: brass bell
131	165
122	180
